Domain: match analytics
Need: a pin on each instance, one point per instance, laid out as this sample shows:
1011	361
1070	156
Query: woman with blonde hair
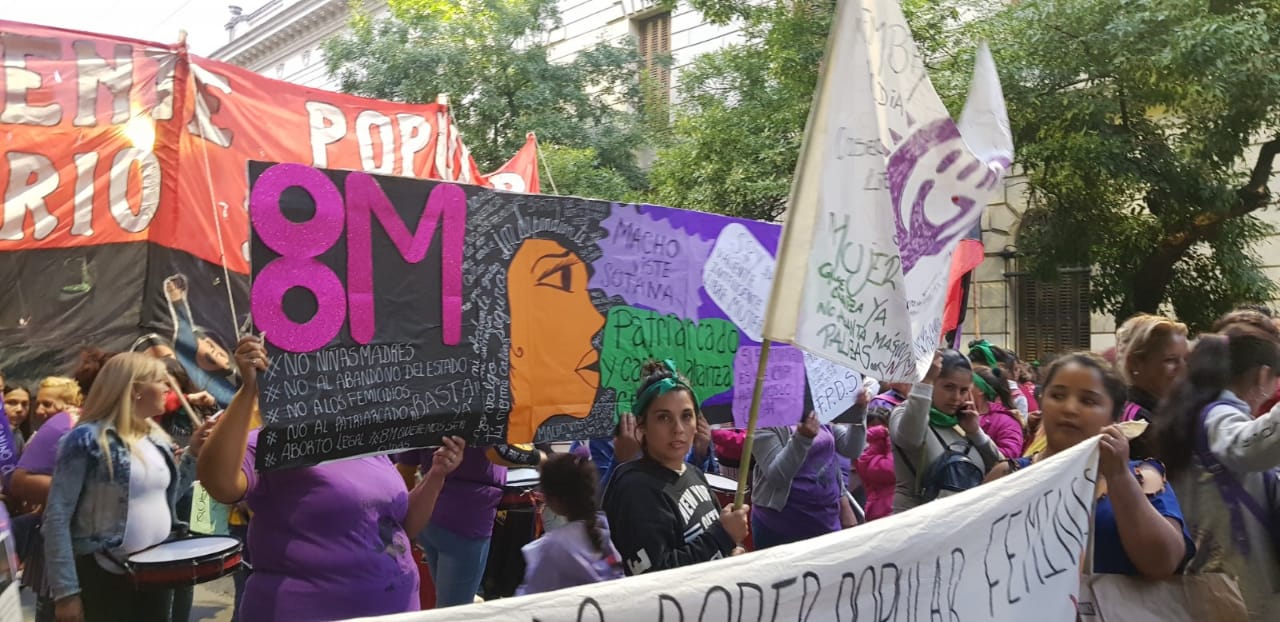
1151	355
115	484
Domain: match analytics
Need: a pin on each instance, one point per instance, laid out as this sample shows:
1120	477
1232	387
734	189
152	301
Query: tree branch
1152	278
1253	196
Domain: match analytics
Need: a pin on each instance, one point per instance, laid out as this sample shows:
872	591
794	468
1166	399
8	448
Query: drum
723	488
521	479
183	562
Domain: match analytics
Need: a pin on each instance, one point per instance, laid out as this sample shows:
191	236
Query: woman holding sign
937	433
329	542
1138	525
662	511
799	480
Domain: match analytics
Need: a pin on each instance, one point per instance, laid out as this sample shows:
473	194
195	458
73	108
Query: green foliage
1133	120
491	58
742	109
578	172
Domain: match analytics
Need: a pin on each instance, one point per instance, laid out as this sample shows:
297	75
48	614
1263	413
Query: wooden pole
744	471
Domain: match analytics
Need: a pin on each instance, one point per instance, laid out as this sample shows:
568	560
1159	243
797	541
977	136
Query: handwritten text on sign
1009	550
397	311
782	399
886	188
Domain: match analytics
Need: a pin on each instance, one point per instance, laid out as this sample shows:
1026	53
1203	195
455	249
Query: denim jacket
87	508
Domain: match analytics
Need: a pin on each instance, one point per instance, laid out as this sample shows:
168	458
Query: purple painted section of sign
782	402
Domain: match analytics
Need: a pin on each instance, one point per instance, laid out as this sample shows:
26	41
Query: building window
306	57
654	42
1053	316
280	70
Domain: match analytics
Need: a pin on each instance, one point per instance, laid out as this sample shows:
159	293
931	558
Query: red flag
969	255
520	173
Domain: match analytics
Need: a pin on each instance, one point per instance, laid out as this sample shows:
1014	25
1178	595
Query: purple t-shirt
328	541
468	503
42	450
813	507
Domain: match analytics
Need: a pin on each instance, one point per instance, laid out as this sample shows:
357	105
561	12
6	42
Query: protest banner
886	185
125	201
1005	551
397	311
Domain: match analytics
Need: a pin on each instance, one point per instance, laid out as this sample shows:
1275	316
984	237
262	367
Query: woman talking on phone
937	436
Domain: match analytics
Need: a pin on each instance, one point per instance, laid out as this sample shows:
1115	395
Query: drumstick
173	384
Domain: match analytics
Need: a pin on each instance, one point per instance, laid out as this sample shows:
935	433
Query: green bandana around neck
939	419
666	385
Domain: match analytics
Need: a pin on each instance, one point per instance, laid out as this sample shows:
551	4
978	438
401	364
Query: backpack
952	472
1237	499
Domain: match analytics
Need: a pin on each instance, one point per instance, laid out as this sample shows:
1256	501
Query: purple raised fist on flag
936	185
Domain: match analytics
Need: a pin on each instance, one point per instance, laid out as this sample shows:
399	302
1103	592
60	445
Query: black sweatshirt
661	519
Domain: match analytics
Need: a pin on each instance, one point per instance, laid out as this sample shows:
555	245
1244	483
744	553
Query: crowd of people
108	456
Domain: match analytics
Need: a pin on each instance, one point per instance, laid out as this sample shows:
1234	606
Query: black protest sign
397	311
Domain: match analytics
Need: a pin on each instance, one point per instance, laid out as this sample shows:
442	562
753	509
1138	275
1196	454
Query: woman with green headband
937	437
994	403
659	507
1003	363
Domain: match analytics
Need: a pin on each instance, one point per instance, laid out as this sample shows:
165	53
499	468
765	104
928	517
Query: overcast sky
153	20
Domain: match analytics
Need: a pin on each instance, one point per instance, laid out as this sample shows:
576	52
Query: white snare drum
722	484
522	478
184	562
723	488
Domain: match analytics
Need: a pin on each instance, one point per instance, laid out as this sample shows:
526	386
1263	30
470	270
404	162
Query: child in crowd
580	552
875	468
999	420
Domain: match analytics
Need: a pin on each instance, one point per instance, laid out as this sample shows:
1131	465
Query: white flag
885	188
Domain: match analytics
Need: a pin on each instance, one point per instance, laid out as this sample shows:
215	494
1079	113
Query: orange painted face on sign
555	370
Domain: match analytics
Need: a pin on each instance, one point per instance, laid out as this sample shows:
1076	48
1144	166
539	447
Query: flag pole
824	67
744	470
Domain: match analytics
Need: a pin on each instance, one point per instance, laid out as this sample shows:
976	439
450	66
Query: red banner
520	173
111	140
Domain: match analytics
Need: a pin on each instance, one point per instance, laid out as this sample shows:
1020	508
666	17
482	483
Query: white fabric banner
885	188
1010	550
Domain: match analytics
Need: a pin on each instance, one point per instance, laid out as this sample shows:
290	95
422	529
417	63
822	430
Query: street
213	602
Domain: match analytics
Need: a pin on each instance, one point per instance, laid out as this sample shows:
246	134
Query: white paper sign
834	388
1006	551
885	189
738	276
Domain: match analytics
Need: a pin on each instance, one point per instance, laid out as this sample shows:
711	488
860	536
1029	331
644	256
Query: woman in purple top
57	406
456	541
329	542
798	478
